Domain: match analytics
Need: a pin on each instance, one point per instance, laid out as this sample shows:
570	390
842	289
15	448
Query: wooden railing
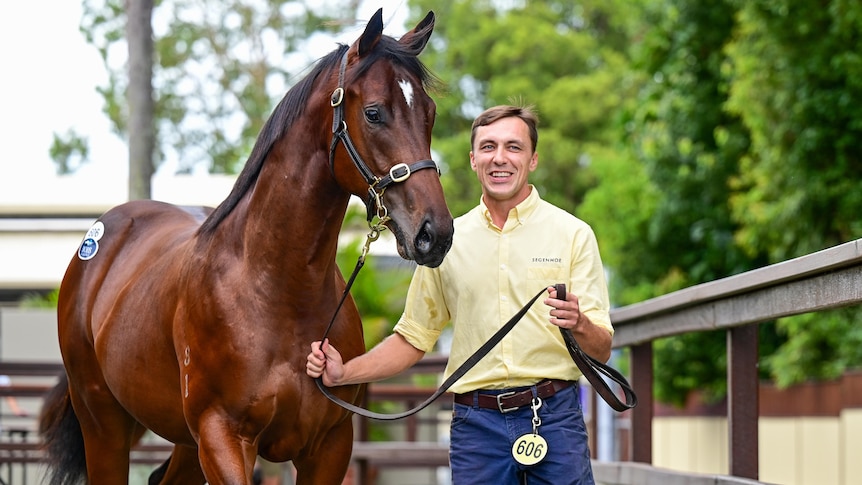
20	447
828	279
414	447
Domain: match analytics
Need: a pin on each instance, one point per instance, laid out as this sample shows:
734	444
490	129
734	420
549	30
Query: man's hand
593	339
565	313
326	363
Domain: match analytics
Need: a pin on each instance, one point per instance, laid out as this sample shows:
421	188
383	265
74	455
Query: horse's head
381	146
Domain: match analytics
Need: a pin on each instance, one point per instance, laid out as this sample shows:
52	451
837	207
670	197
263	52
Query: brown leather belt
510	401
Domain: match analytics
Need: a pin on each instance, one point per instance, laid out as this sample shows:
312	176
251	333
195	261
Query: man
517	416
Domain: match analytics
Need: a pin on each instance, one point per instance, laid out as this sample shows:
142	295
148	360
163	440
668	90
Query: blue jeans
482	439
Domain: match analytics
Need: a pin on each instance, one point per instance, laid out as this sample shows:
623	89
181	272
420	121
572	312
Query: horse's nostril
424	240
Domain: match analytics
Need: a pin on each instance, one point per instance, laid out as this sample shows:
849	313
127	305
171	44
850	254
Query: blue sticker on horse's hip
89	248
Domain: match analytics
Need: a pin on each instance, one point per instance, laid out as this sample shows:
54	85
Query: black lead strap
466	366
588	366
591	368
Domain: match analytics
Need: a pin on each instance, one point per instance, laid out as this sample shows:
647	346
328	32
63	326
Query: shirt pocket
548	274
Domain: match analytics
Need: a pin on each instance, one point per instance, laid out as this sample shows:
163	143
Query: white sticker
96	232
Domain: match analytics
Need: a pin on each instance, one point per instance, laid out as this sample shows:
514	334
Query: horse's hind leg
109	433
182	468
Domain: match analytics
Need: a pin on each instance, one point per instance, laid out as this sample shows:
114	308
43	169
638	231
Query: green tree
689	148
219	68
69	151
795	71
744	134
567	59
795	75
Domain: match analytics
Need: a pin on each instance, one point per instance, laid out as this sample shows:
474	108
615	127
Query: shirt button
503	297
503	267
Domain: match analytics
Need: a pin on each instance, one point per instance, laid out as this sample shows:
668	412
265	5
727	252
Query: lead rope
373	235
588	366
466	366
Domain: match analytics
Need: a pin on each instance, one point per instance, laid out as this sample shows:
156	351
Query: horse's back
125	241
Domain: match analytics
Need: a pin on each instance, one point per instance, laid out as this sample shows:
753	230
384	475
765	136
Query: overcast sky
48	85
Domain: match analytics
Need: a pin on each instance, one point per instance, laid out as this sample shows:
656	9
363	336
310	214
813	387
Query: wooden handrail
824	280
767	293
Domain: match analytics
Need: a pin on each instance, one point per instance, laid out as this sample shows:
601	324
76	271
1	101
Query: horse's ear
372	33
416	39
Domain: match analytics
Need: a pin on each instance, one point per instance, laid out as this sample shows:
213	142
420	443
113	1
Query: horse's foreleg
226	457
328	464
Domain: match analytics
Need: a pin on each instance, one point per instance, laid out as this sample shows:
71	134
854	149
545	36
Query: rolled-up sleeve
425	312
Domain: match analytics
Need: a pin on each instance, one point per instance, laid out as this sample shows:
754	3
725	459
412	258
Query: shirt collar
519	214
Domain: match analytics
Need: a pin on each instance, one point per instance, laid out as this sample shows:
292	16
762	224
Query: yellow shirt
488	275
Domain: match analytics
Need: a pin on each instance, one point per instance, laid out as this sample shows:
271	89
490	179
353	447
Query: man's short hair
526	113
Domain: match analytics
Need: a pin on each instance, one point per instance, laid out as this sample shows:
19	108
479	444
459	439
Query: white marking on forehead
407	89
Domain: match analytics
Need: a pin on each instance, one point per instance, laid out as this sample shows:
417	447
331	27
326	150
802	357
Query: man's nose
499	156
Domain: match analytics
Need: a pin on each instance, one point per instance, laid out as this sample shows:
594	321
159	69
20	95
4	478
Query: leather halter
376	185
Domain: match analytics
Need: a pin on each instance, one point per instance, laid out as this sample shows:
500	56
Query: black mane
292	106
285	114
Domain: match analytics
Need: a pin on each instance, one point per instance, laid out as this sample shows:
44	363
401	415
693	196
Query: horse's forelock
392	50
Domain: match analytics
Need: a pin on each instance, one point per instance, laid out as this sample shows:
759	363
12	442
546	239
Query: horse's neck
291	220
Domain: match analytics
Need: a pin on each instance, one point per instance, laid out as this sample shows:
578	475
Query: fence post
742	401
642	379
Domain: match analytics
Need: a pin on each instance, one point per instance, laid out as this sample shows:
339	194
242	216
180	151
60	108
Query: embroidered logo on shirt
546	260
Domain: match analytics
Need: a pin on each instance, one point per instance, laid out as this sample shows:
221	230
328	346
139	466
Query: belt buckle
500	398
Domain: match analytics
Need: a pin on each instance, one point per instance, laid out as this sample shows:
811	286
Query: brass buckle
399	173
337	97
500	402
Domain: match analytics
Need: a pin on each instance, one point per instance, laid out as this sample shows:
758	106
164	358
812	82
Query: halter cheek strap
376	185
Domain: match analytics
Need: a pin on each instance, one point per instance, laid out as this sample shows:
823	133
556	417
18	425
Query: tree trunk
139	35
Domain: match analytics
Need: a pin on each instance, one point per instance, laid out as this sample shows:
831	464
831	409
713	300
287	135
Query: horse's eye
373	115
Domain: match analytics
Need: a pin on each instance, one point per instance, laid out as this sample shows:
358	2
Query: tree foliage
219	68
744	132
795	75
567	59
69	151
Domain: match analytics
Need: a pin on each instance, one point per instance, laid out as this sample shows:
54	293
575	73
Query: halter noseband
376	185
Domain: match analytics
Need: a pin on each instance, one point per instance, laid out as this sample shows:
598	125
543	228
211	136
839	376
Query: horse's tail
63	442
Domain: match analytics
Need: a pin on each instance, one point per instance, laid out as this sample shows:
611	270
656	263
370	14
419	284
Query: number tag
530	449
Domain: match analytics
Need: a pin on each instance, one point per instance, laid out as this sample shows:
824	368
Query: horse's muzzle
432	242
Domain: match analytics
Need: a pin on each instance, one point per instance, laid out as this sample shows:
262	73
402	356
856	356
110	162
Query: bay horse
194	323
